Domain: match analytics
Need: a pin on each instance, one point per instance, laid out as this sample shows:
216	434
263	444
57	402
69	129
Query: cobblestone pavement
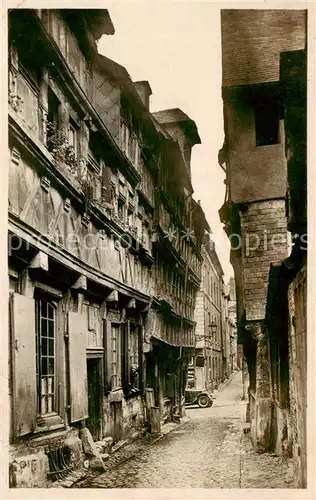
210	450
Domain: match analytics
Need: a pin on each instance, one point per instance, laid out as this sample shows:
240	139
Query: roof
99	21
120	75
210	248
199	210
115	70
173	115
252	40
175	160
143	84
176	115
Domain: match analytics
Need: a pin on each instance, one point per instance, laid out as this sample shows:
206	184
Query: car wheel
203	401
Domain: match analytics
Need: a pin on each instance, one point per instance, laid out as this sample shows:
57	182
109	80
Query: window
267	123
134	359
129	144
116	364
72	137
121	209
52	117
137	154
139	223
29	65
131	217
134	345
124	137
200	361
45	356
131	149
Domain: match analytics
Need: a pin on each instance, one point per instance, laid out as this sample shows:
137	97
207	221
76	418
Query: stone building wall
298	373
199	313
264	241
245	158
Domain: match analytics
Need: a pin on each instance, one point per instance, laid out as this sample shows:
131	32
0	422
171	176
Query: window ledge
49	423
133	394
115	395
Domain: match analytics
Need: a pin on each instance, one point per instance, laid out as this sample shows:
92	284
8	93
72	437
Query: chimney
144	91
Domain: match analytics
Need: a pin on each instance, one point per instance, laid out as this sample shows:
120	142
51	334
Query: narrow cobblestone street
210	450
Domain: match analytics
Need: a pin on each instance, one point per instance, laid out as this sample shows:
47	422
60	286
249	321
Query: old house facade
232	316
264	95
179	227
208	367
85	271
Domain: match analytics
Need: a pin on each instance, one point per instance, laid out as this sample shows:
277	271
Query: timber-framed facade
93	300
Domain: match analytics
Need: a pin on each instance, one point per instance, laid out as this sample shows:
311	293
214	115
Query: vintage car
198	396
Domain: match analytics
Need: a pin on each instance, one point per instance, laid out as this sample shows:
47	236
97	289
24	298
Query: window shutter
107	354
140	357
77	331
22	319
83	134
106	183
125	357
63	118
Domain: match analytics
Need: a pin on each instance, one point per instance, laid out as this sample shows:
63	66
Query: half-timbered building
101	301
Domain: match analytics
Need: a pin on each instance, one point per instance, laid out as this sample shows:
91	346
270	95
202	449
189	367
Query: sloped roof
120	75
171	116
118	72
201	215
99	21
176	115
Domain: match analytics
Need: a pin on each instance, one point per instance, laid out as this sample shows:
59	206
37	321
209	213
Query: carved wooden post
80	286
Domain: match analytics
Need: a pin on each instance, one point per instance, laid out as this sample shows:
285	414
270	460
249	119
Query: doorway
94	397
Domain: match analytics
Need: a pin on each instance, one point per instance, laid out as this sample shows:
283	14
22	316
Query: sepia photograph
157	246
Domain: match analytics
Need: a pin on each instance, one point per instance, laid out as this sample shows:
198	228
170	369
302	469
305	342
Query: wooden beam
131	304
80	284
26	285
18	228
40	261
48	289
113	296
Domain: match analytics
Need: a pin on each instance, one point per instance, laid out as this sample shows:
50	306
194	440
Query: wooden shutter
63	117
140	357
125	356
83	136
77	331
106	182
107	354
22	319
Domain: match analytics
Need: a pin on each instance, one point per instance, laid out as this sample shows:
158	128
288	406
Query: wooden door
94	397
77	331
